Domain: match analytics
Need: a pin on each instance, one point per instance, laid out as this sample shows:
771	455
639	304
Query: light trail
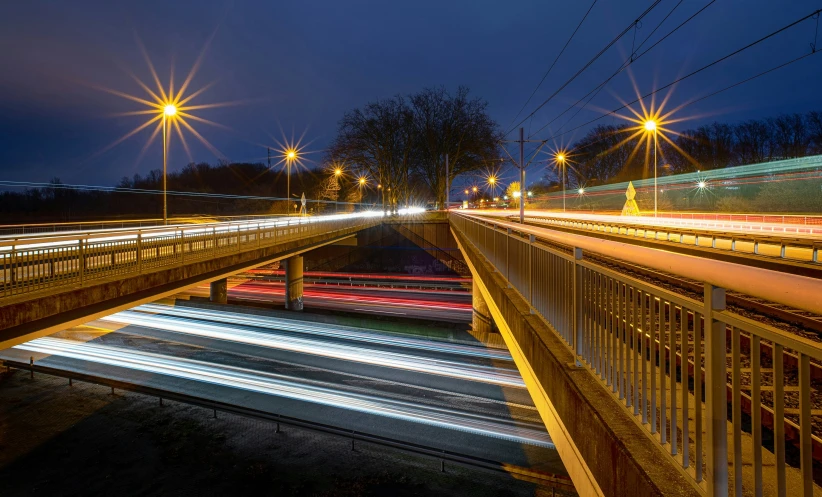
308	328
363	355
256	289
718	225
366	276
279	385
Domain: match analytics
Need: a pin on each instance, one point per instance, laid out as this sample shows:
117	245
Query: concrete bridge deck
50	282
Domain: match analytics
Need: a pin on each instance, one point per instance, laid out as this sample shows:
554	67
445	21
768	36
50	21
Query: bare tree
791	137
813	120
754	142
452	125
378	140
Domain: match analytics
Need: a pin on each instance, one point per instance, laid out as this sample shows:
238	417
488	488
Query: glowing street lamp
581	191
290	156
169	111
474	189
650	127
560	158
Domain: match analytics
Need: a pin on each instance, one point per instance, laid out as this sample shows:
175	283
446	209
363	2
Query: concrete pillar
294	283
219	291
481	318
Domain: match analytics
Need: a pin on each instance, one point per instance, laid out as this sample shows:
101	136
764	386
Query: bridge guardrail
33	264
673	363
772	244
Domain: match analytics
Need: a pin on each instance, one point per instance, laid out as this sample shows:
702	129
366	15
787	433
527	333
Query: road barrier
35	263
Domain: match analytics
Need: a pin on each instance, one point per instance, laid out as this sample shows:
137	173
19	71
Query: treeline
58	202
613	153
402	142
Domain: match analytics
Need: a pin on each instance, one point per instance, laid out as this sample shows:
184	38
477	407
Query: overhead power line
587	65
630	60
697	71
555	62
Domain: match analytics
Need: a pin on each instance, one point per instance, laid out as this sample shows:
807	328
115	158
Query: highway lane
472	412
446	305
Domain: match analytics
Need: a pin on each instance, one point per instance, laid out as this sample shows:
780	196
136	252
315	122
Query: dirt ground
82	440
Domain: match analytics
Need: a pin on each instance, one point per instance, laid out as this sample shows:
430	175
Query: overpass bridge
641	388
50	281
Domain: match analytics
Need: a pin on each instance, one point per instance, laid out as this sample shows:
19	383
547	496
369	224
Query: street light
290	156
650	127
169	111
560	158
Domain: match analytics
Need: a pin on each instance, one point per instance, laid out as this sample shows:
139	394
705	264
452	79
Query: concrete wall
604	450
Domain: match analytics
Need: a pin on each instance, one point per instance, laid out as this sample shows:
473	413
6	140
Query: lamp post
170	110
337	173
291	155
650	127
561	161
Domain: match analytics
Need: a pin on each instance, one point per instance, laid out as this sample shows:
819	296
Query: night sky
299	65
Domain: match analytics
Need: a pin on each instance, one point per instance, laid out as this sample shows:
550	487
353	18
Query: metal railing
30	264
685	370
756	242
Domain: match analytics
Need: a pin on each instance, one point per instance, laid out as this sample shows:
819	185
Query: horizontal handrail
65	260
789	289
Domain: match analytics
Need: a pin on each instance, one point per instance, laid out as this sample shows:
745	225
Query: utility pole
522	165
522	176
447	186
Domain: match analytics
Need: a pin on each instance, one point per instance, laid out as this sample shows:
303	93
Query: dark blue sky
300	65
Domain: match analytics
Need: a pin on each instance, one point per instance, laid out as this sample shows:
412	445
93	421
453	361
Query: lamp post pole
655	187
165	161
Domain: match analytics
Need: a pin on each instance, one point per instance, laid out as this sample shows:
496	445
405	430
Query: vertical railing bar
736	403
699	325
637	348
652	357
672	341
664	319
756	414
805	442
779	418
644	351
684	375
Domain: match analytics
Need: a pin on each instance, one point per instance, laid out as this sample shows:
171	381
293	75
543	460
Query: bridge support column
481	316
219	291
294	283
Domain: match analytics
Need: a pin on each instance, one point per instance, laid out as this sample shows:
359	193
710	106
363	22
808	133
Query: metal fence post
531	240
82	262
716	401
139	252
508	257
576	287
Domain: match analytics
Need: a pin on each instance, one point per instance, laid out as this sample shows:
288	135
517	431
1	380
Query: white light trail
363	355
279	385
309	328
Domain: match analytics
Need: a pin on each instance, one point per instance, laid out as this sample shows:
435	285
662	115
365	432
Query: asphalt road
458	396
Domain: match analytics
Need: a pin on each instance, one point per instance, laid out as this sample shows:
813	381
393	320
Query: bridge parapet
635	382
46	276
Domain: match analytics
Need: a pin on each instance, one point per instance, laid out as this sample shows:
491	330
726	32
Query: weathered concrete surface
218	291
480	316
294	283
35	315
603	449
